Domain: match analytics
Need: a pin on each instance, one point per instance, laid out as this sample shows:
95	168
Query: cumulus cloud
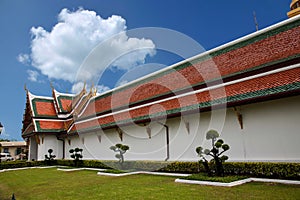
135	50
59	53
32	75
24	58
102	88
77	87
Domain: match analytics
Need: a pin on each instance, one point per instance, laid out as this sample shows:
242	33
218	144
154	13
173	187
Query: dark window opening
5	150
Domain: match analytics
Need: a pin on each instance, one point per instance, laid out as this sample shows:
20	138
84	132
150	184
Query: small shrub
218	148
49	159
76	154
121	150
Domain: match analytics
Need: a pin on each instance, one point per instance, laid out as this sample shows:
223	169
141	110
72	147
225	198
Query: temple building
247	89
295	8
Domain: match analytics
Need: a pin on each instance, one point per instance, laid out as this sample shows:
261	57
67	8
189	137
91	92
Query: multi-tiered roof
259	67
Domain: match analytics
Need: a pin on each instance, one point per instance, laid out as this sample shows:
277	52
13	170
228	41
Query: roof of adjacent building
13	144
258	67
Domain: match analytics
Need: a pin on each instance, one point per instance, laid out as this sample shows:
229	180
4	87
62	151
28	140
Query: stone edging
236	183
15	169
78	169
143	172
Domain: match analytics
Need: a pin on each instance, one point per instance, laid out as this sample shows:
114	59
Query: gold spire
295	8
93	90
25	88
83	88
51	85
53	91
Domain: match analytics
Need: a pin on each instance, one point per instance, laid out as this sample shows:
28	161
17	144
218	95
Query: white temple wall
271	133
32	153
49	142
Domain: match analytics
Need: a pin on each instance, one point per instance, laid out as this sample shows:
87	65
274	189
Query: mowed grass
52	184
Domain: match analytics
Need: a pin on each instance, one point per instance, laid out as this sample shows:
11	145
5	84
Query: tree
218	148
76	154
121	149
49	158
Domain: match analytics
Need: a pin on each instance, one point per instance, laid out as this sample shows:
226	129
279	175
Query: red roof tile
273	48
66	104
45	108
50	125
261	51
253	85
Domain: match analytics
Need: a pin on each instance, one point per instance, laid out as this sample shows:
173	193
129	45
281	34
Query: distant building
247	89
17	150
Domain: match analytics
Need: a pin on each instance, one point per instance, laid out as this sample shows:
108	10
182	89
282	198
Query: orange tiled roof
63	102
250	90
254	55
50	126
273	48
44	108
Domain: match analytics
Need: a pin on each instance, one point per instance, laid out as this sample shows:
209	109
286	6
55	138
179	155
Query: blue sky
210	23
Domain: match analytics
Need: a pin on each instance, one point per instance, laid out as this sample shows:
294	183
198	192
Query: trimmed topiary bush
121	150
76	154
218	148
49	159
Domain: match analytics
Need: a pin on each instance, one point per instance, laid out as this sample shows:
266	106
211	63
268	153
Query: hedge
83	163
20	164
137	165
264	169
251	169
183	167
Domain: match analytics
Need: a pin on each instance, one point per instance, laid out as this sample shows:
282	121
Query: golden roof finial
295	8
51	85
25	87
84	87
92	86
53	90
95	91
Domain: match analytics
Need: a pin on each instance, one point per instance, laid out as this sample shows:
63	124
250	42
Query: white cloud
102	88
136	51
58	54
24	58
32	75
77	87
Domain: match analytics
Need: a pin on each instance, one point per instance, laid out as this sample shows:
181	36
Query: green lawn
51	184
